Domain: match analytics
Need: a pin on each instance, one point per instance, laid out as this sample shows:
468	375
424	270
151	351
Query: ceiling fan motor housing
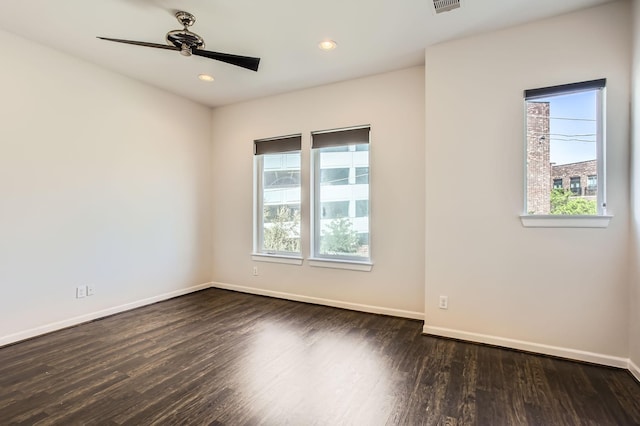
184	39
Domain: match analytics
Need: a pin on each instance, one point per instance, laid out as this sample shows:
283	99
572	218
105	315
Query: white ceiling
373	36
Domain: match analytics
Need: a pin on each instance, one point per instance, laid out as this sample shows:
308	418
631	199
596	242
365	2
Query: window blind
340	137
565	88
276	145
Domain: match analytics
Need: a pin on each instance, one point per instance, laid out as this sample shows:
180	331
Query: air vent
445	5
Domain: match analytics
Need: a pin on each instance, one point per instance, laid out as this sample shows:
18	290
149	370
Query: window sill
341	264
558	221
276	258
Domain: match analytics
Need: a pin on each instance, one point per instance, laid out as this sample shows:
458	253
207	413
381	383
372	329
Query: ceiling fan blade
141	43
240	61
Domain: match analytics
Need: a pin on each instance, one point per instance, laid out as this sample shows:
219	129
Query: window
335	176
574	186
271	213
592	185
362	208
565	140
557	183
335	209
362	175
282	178
278	194
341	194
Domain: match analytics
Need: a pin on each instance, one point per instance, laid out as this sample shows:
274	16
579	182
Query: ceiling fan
190	43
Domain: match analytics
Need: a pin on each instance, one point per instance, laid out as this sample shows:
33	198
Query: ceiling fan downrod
185	18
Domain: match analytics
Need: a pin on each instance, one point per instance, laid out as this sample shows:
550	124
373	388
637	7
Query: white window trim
316	259
297	259
340	264
564	221
277	258
257	203
602	219
258	230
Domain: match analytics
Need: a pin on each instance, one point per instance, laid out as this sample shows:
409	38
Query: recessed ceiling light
205	77
327	45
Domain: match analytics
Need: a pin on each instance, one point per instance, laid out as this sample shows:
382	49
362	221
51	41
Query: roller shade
565	88
352	136
276	145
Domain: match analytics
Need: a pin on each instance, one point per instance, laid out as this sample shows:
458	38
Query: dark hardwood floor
217	357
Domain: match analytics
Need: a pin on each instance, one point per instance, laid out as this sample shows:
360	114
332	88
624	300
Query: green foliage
563	202
282	234
339	238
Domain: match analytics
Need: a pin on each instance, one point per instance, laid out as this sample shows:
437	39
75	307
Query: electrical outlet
444	302
255	271
81	291
91	290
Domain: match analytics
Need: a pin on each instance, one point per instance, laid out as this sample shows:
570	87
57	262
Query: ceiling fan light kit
189	43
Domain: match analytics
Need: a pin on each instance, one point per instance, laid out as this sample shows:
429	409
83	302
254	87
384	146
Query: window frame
553	184
592	183
575	183
601	219
261	147
352	136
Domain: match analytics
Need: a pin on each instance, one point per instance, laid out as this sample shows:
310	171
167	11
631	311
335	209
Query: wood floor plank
217	357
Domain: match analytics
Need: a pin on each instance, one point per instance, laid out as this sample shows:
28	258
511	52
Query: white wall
560	291
103	181
634	282
109	182
393	104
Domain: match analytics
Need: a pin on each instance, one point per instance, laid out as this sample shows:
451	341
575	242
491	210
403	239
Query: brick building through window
580	178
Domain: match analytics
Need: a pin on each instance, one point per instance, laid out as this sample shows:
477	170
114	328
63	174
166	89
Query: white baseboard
530	347
634	369
47	328
435	331
320	301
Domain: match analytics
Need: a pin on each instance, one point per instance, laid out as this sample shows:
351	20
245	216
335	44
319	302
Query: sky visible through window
572	127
